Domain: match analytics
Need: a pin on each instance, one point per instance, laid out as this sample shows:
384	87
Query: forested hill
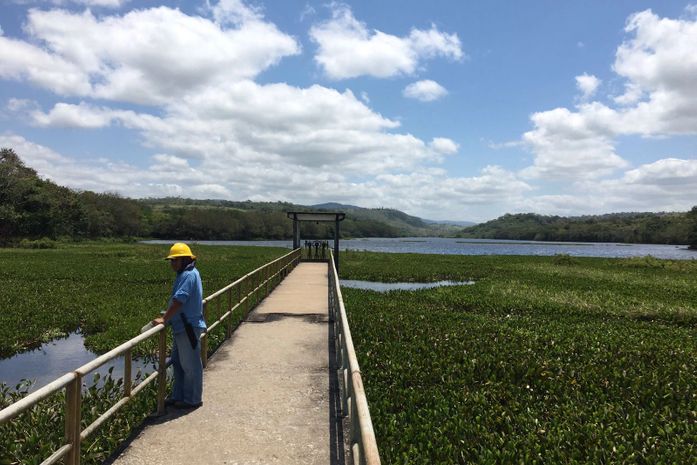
647	228
32	208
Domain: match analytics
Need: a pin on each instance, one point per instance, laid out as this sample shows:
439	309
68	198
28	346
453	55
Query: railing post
246	297
162	372
127	383
267	276
204	339
228	333
73	400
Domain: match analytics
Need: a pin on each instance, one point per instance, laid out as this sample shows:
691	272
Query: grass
543	360
107	291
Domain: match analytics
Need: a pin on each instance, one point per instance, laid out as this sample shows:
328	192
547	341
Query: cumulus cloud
658	61
444	145
347	48
316	127
137	57
422	192
425	91
587	84
570	145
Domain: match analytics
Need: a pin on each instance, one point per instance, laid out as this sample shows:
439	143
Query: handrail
255	281
364	446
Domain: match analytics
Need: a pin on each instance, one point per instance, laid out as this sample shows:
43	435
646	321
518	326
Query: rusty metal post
162	372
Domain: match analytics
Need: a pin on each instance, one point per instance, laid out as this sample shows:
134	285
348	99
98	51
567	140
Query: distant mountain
334	206
452	223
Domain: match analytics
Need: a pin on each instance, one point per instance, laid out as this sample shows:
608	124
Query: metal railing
248	290
364	448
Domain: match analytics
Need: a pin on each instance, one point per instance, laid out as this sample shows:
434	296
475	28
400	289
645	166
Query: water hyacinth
542	360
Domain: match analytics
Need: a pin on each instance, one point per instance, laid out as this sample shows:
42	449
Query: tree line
646	228
32	208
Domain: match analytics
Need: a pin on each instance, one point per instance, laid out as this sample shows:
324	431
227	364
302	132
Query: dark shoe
170	402
185	405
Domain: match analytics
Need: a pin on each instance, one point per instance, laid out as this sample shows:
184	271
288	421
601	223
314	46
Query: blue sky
444	109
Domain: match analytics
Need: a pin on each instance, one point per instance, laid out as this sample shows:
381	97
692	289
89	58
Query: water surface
58	357
456	246
387	287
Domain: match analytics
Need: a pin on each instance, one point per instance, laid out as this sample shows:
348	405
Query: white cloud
425	91
74	116
138	57
570	145
347	48
658	62
422	192
233	12
444	145
587	84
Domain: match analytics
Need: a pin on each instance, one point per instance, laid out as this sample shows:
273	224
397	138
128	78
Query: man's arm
171	311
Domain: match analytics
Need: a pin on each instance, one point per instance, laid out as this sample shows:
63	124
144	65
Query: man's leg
177	394
192	368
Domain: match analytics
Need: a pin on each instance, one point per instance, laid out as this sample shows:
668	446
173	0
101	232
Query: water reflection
58	357
387	287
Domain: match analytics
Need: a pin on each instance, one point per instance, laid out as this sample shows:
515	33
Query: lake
454	246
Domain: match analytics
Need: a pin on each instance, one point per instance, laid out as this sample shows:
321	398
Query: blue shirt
188	290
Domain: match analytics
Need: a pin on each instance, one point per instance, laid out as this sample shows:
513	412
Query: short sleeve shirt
188	290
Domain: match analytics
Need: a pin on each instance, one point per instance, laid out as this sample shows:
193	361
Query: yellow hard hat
180	250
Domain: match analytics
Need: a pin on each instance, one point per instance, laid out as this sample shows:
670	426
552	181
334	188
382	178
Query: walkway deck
269	392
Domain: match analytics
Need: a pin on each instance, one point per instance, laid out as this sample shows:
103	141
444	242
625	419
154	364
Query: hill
648	228
32	208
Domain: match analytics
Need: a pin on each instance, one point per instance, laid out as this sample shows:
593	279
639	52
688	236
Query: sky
447	110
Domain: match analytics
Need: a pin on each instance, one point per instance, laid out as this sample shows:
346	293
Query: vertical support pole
204	339
336	243
228	332
355	428
162	372
127	382
246	298
296	233
73	399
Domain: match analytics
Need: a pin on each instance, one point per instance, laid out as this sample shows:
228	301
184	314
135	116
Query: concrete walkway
268	394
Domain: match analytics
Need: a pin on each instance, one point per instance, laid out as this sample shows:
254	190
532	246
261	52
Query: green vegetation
32	208
543	360
646	228
692	236
108	291
34	435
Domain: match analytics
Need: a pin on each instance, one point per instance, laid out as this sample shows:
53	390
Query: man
185	315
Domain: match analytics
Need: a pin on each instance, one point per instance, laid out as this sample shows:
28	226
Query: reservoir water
454	246
58	357
387	287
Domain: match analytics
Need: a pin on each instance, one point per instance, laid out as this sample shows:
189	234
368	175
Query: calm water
56	358
448	246
387	287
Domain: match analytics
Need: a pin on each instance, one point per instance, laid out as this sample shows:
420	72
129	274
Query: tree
692	235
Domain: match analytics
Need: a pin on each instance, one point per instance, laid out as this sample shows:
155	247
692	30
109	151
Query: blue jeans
188	369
